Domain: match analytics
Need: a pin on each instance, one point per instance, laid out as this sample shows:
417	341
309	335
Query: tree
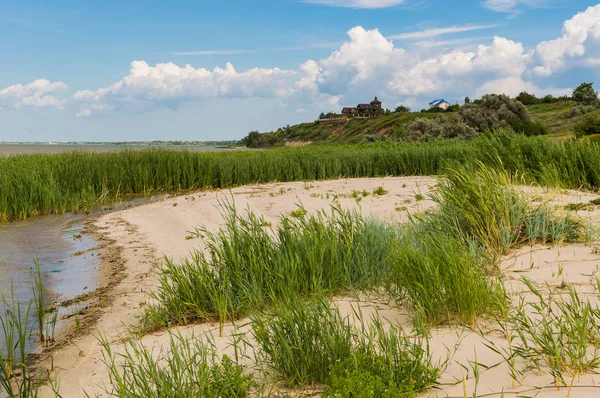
585	93
322	116
252	140
527	99
467	100
402	109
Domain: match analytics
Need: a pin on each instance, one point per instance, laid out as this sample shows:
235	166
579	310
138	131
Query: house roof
437	102
375	101
365	106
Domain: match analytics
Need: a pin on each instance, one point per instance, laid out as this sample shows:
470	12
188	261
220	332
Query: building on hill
369	109
439	103
349	111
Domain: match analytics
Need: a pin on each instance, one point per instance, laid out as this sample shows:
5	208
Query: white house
439	103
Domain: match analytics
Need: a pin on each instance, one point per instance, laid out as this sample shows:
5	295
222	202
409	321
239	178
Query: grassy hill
555	116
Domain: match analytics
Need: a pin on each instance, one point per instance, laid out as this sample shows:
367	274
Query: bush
527	99
310	342
443	127
581	109
529	128
494	112
590	126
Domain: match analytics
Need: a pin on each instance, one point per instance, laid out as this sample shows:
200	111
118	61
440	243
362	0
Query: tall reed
37	184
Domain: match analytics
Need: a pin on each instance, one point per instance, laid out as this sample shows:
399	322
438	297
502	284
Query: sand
143	235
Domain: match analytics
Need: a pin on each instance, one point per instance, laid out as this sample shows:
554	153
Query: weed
379	191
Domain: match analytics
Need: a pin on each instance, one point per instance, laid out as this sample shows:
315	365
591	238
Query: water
68	260
15	149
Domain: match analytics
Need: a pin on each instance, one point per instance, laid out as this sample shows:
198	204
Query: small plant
419	197
175	204
299	213
379	191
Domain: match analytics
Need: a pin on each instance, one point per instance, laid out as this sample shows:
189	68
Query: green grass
551	334
189	368
38	184
555	116
248	267
311	343
443	265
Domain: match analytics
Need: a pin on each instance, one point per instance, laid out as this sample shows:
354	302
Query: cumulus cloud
357	3
368	63
578	44
38	94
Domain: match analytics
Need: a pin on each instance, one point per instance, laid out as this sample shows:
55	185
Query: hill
558	117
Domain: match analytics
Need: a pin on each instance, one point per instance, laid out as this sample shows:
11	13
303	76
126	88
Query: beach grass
189	367
308	342
39	184
250	265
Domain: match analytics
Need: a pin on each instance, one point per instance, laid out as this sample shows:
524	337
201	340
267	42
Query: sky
135	70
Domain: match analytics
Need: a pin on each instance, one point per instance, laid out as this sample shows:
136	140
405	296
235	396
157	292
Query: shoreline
137	238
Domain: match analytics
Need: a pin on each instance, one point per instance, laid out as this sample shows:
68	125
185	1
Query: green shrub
529	128
494	112
582	109
590	126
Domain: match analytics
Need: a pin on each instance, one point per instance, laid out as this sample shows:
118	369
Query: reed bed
42	184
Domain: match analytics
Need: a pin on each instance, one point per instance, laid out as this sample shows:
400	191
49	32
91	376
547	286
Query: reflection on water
68	260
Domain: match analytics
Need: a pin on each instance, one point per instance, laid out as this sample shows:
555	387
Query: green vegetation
443	266
189	369
554	334
247	268
552	116
310	342
40	184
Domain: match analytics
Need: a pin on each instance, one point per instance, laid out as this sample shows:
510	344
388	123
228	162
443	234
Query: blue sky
145	70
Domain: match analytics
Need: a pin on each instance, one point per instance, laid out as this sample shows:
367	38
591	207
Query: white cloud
510	5
169	84
367	64
578	44
435	32
357	3
38	94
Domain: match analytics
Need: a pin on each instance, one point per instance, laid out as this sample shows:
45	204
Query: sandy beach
136	240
